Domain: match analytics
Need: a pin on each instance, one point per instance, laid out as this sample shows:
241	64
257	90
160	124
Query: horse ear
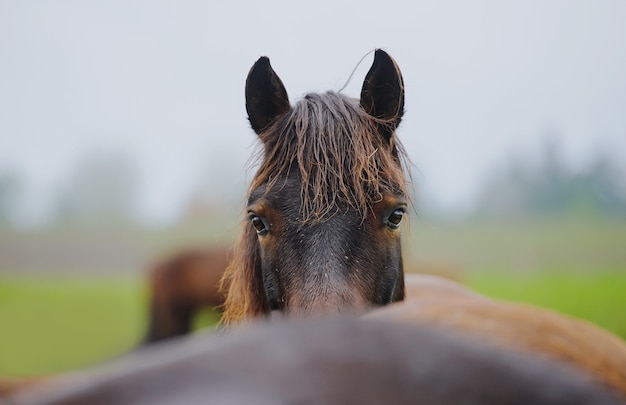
382	95
266	97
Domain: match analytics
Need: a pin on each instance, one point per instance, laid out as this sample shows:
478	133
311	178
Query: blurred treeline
104	190
547	187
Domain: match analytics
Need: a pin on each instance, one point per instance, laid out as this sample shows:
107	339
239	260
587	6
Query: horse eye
395	218
258	224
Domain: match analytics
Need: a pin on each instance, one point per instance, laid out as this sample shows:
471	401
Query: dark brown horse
180	287
325	205
534	331
331	361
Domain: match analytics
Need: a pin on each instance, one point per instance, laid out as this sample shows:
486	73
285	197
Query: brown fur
180	286
341	160
523	327
325	361
10	385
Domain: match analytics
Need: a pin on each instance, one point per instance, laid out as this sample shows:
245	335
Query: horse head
325	206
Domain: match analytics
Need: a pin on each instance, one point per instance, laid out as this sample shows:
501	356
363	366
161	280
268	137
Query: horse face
326	203
343	263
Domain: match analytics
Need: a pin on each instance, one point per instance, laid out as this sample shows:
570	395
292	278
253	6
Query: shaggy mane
340	155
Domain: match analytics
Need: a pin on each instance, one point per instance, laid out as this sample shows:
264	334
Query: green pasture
53	320
49	325
598	297
52	325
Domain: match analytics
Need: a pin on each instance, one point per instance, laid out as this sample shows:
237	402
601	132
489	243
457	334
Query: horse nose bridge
317	301
326	289
327	265
327	247
324	282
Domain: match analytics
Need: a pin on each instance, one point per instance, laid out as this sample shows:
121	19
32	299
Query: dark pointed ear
266	97
382	95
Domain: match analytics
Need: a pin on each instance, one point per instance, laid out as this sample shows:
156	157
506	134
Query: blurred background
124	139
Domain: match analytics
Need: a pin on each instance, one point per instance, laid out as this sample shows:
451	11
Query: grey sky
163	81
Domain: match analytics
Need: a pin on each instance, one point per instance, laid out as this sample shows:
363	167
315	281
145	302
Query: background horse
443	303
325	205
180	287
325	361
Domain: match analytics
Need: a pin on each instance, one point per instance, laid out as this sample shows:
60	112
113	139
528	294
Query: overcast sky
163	82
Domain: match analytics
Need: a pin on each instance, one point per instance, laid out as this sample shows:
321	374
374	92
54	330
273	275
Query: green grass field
53	325
59	322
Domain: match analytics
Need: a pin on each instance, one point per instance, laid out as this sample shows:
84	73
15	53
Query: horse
334	361
434	301
324	209
180	286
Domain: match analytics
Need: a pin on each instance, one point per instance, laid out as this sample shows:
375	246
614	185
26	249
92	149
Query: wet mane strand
339	153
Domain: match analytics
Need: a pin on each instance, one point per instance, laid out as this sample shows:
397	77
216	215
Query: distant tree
101	190
505	190
10	198
219	190
603	185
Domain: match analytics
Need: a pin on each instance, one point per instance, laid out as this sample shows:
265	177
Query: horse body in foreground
443	344
325	205
433	301
333	361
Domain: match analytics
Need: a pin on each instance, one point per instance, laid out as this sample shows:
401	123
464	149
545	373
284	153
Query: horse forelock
336	149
